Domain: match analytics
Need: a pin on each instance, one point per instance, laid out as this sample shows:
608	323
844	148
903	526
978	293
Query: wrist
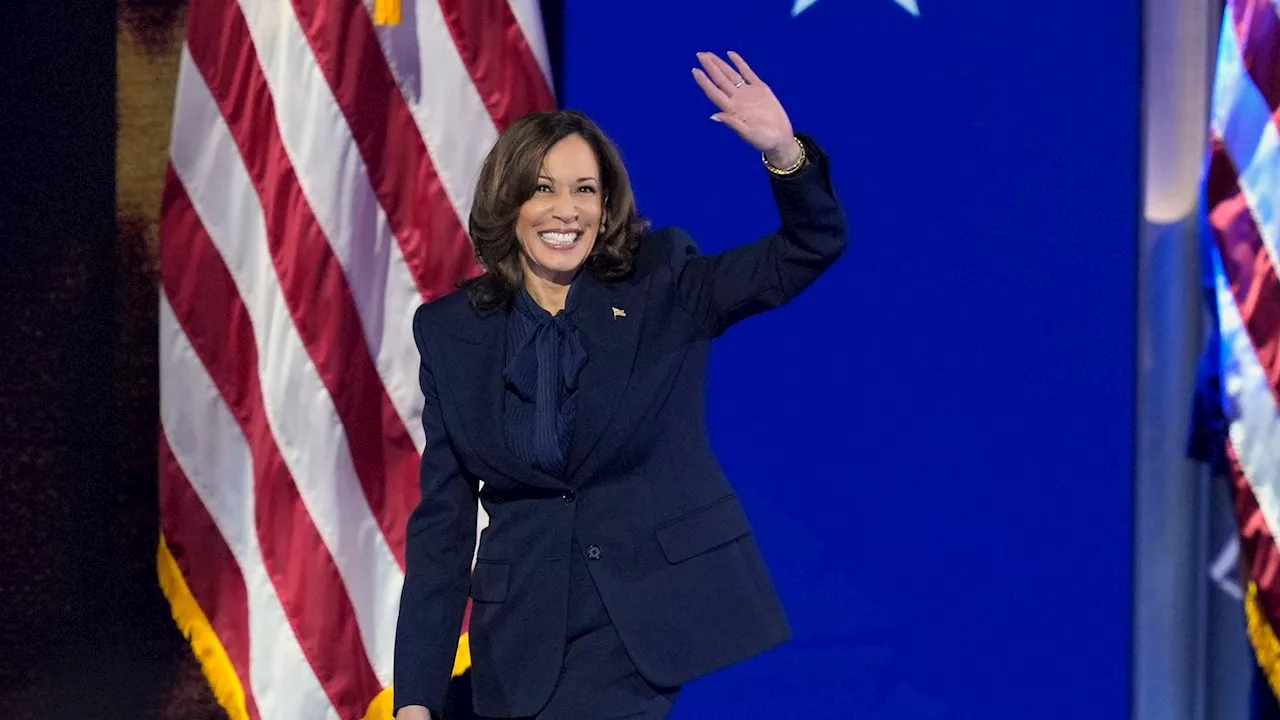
785	155
786	158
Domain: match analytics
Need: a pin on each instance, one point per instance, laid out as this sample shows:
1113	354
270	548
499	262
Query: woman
617	564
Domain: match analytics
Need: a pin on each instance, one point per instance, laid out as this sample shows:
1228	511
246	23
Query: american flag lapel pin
618	312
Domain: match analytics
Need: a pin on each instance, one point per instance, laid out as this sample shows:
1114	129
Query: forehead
571	157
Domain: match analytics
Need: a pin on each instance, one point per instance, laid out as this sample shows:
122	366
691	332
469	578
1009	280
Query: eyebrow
581	179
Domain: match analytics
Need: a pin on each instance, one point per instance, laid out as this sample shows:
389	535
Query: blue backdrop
935	443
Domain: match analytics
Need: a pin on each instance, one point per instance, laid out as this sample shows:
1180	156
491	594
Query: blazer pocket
489	581
704	529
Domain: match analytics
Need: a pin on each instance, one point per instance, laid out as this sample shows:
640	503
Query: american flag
320	176
1238	410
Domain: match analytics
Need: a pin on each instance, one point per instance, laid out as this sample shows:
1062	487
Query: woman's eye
587	189
544	188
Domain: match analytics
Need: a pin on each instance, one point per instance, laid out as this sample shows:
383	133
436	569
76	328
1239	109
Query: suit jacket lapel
477	372
610	317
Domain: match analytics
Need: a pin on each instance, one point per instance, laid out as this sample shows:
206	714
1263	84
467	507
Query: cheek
590	247
525	220
529	245
525	223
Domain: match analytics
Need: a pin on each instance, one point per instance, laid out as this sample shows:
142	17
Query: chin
562	259
561	267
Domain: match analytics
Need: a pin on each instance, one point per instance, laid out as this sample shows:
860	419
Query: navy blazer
669	546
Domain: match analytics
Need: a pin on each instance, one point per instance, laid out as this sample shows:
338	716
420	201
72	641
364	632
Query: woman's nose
565	210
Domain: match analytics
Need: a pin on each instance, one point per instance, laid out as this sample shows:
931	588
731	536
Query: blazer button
569	496
593	552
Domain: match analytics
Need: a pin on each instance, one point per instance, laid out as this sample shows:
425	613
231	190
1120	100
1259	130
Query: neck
550	295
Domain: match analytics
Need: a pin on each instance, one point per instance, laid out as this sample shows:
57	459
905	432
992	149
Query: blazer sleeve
720	290
440	538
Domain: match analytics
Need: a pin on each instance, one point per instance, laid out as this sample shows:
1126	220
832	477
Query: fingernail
715	119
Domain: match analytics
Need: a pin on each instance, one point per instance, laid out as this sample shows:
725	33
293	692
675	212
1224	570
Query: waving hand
748	106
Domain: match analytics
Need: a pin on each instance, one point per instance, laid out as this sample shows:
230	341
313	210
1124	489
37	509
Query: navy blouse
545	356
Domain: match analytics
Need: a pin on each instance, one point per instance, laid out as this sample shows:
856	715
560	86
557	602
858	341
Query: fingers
735	79
719	80
715	68
744	68
714	93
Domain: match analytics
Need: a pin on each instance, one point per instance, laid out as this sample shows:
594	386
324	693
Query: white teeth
559	238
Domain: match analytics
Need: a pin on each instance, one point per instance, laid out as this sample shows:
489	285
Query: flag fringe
386	12
380	708
462	661
195	626
1266	646
216	664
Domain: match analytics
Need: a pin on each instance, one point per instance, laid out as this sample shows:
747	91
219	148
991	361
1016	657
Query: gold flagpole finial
386	12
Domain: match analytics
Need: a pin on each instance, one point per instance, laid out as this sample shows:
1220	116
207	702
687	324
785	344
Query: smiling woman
557	179
618	563
558	226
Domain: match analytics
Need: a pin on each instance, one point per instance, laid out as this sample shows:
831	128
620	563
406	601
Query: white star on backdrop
802	5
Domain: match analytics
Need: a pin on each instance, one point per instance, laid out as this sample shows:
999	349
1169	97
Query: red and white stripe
321	171
1243	194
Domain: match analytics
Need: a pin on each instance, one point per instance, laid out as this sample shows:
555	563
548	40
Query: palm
746	103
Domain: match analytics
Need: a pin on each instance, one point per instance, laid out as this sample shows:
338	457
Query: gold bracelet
791	170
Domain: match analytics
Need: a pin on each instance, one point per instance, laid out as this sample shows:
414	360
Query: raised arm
719	290
439	541
722	289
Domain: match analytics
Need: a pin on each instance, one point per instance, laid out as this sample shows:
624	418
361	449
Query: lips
560	239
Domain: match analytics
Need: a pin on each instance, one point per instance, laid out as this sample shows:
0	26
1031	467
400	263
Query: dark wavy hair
509	177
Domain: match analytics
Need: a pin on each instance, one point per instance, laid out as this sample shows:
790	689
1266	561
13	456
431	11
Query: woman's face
558	226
